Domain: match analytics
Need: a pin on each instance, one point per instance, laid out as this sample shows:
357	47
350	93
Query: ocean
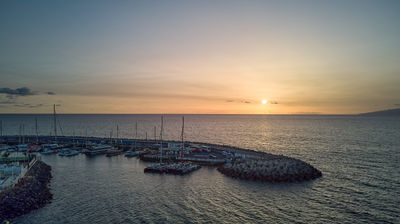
358	156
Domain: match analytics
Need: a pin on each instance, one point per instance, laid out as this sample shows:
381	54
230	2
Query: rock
31	193
271	169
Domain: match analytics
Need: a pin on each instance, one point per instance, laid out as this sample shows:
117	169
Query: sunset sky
317	56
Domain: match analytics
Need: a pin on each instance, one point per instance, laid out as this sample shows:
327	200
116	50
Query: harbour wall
30	193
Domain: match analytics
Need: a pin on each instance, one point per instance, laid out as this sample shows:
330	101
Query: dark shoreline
32	192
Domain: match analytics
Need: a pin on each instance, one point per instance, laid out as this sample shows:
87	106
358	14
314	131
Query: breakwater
272	169
31	192
246	163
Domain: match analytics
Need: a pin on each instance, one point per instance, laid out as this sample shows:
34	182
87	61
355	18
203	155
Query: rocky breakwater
273	169
31	192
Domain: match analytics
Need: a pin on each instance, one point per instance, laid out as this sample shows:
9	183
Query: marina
169	155
80	179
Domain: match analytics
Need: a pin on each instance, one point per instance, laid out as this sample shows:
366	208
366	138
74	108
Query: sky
207	57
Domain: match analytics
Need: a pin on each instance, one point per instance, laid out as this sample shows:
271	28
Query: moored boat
71	153
98	150
63	151
114	152
131	153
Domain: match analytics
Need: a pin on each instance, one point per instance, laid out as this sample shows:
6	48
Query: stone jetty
273	169
31	192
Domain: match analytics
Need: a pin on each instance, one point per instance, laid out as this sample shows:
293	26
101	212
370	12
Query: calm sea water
358	156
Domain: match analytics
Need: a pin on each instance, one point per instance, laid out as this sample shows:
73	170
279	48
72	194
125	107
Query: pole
20	134
161	132
36	128
135	134
136	130
55	124
23	133
183	144
116	140
86	138
155	134
111	133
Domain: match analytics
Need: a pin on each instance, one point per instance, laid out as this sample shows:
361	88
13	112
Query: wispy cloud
23	91
28	105
238	101
11	93
7	102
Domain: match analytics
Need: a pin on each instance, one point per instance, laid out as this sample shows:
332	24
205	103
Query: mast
20	134
73	137
36	128
86	138
23	133
55	123
135	134
1	128
111	134
116	140
183	143
155	134
161	132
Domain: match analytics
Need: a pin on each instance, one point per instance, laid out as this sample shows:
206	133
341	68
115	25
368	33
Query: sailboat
52	148
130	152
114	151
172	168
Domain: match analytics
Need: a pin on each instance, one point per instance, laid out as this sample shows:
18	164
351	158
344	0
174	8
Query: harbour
206	194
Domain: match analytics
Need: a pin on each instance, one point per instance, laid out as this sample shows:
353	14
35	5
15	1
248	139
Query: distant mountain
391	112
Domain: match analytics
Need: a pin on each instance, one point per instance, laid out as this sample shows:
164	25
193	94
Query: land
390	112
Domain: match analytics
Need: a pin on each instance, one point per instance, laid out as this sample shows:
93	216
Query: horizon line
322	114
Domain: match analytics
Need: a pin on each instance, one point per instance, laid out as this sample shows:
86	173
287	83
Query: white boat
22	147
71	153
63	151
7	148
50	146
98	150
48	151
131	153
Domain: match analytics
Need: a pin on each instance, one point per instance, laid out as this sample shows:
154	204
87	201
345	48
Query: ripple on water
357	156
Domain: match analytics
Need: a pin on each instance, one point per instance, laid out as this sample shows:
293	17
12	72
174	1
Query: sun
264	101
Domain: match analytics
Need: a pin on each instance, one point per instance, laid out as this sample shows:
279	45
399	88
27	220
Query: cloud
28	105
11	93
308	113
23	91
7	102
239	101
272	102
